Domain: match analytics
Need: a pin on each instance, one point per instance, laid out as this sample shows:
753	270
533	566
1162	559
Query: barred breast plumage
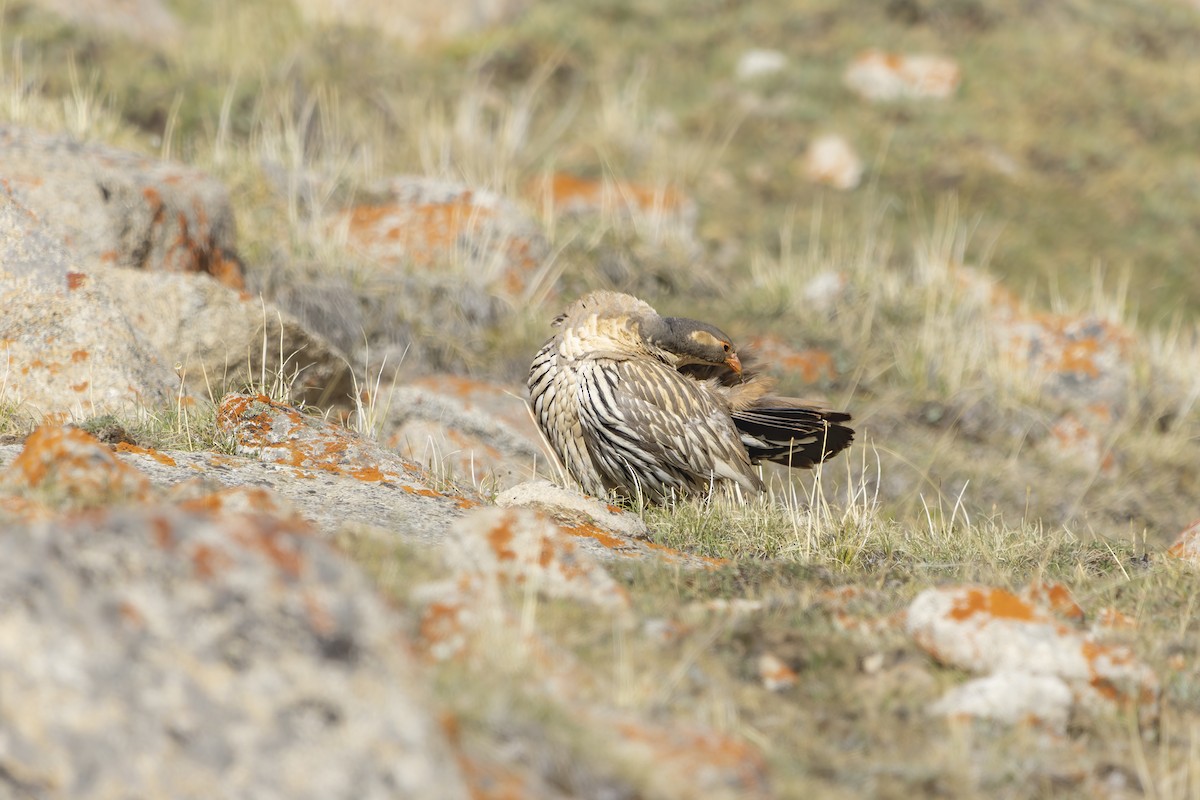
636	403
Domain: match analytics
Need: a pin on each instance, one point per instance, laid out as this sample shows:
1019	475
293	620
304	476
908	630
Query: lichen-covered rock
220	337
523	548
991	630
480	432
1187	545
159	652
276	433
66	347
116	207
876	75
483	238
659	206
66	468
1010	697
832	161
605	530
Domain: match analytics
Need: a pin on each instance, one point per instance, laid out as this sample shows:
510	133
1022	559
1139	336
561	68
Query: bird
636	404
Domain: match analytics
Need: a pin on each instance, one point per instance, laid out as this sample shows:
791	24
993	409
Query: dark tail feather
794	437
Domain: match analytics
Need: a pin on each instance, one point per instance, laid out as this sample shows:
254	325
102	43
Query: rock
162	652
813	365
1187	544
519	547
754	64
147	21
65	343
223	339
1082	440
776	676
468	614
481	237
414	21
876	76
1054	597
604	530
650	206
122	209
830	160
1085	362
65	468
1010	697
478	432
991	630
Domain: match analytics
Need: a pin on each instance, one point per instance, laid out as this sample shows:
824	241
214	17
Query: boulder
119	208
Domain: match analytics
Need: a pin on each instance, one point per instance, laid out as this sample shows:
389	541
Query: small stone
759	63
776	675
880	76
831	160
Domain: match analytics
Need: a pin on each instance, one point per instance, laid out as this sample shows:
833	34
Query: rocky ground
277	522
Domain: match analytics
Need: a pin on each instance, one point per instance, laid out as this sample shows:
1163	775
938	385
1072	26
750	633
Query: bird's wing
645	421
773	429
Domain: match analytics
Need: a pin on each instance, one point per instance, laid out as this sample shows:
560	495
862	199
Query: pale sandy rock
524	548
478	432
754	64
876	75
223	338
270	431
212	649
114	207
481	237
569	504
1187	544
604	530
775	674
656	211
150	22
415	22
1083	440
985	629
65	467
832	161
1010	697
66	348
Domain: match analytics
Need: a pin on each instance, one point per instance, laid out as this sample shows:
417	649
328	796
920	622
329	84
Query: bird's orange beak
734	363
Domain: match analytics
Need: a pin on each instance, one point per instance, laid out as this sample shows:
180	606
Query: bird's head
690	342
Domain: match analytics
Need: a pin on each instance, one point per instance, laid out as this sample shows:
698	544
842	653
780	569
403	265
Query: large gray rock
66	346
160	653
116	207
225	339
78	339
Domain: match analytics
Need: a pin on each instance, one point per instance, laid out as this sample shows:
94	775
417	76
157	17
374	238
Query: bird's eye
727	347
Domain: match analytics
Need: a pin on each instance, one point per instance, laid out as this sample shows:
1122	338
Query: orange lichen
590	531
131	615
75	280
563	190
998	603
162	458
1056	597
273	544
500	539
206	560
1109	617
78	356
